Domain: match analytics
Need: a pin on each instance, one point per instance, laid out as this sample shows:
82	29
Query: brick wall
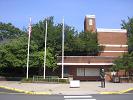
88	27
114	43
112	38
115	54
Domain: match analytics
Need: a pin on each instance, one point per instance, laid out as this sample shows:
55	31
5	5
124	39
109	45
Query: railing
54	79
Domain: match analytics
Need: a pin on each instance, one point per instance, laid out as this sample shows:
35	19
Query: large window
88	71
80	72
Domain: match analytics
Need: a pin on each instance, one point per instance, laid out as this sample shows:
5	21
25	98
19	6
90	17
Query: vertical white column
45	50
29	33
63	48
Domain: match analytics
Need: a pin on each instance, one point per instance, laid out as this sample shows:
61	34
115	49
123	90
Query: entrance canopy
86	60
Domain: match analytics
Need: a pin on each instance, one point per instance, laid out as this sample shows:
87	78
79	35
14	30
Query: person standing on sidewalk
102	76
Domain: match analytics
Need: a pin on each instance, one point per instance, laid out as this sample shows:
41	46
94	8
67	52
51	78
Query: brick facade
116	38
89	23
113	43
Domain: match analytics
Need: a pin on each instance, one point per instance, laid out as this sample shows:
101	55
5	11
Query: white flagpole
63	48
29	33
45	50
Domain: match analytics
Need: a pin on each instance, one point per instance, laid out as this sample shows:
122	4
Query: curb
119	92
48	93
26	92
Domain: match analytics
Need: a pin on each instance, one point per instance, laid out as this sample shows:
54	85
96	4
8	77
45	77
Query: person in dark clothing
102	76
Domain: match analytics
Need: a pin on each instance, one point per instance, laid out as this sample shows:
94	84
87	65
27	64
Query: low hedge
41	80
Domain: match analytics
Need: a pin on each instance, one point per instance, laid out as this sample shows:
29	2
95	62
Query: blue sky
109	13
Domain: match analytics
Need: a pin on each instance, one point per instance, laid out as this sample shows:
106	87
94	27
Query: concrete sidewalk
85	88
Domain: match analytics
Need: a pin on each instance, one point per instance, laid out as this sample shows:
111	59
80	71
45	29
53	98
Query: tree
8	31
13	53
90	43
129	26
118	65
75	43
85	43
124	63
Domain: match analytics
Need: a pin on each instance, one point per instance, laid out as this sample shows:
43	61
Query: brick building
114	44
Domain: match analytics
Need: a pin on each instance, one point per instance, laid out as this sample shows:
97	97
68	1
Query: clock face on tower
90	21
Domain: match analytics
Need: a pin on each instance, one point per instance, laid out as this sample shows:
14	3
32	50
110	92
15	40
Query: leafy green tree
85	43
129	26
124	63
13	53
75	43
54	38
8	31
118	64
37	59
90	44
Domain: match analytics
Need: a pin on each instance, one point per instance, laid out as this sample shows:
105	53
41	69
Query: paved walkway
85	87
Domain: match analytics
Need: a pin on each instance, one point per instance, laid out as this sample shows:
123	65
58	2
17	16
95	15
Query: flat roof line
90	16
93	56
85	63
111	30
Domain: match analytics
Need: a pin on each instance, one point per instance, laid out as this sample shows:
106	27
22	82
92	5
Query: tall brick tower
89	23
